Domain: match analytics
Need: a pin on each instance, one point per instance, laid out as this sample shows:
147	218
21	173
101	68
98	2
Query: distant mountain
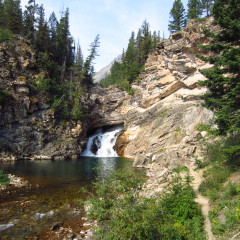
106	70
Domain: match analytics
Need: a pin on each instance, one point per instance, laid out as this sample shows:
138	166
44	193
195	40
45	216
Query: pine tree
194	9
177	14
144	43
224	78
88	68
42	34
29	20
207	6
130	62
64	41
13	15
77	69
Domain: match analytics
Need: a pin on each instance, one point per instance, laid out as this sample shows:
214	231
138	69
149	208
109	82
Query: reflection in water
59	183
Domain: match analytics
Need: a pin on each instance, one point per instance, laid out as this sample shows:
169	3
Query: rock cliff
161	119
29	128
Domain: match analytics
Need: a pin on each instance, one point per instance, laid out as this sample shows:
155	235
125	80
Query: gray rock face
29	129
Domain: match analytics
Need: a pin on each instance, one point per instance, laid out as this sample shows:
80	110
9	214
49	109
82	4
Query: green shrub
4	179
6	34
122	213
76	113
215	176
41	84
180	169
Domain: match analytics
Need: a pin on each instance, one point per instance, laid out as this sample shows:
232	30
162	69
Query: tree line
56	51
196	9
140	45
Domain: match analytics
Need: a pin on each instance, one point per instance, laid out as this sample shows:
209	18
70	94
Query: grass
164	113
4	179
223	160
180	169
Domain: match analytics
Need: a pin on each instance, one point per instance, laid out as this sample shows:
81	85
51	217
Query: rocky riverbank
14	181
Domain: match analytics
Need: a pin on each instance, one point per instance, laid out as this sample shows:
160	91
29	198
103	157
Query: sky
113	20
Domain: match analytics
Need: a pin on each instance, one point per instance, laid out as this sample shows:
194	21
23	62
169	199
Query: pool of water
54	194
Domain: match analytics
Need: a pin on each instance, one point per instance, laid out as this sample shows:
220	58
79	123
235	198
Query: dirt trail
201	200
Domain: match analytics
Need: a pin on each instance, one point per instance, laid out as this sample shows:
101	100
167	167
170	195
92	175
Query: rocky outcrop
29	128
161	119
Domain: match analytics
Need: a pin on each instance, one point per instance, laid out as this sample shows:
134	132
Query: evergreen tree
224	78
177	14
207	6
194	9
29	20
64	41
130	62
42	33
88	68
13	15
77	70
155	40
144	43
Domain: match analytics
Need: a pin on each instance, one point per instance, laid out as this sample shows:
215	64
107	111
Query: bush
122	213
6	34
4	179
41	84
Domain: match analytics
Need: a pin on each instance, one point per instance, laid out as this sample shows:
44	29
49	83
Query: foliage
207	6
5	35
76	113
180	169
12	13
4	179
41	84
124	73
224	78
194	9
88	68
123	214
177	14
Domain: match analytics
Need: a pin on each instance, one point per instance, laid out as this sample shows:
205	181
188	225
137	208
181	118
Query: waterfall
102	142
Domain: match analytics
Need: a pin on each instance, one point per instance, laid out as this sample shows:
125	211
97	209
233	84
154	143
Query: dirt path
201	200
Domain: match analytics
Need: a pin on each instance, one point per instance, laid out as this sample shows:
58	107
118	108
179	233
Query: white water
101	143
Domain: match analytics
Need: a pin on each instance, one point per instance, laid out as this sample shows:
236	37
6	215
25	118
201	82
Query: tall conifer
13	15
177	14
207	6
224	78
194	9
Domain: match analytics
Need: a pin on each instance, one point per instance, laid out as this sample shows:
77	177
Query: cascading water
101	143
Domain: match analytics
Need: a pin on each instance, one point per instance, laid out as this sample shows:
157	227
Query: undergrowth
220	186
122	213
4	179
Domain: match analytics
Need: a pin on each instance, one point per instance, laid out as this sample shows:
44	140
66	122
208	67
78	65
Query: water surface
53	196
